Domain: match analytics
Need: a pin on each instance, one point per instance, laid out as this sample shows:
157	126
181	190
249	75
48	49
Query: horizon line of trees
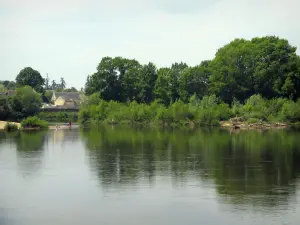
30	77
31	89
268	66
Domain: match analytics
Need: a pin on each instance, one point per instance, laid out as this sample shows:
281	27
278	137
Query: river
117	175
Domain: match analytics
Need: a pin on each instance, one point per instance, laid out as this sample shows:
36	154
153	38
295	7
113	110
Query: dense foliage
206	111
25	102
267	66
32	78
257	79
10	127
8	85
58	116
34	122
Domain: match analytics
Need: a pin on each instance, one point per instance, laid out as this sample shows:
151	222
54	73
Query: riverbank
52	126
3	123
225	124
235	123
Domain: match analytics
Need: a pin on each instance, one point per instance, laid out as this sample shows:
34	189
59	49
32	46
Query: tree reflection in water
249	167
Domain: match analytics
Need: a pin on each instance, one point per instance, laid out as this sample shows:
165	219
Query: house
66	99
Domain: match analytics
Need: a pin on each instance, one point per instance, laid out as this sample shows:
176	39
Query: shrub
10	127
84	115
208	111
253	120
290	111
34	122
255	107
236	108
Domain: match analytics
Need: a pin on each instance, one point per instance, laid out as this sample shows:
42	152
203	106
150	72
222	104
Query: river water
118	175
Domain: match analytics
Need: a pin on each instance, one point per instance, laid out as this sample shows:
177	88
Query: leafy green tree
26	102
32	78
48	94
194	80
53	85
174	78
72	89
11	85
268	66
232	71
110	78
47	83
62	83
166	87
2	88
161	90
59	89
130	85
146	82
277	68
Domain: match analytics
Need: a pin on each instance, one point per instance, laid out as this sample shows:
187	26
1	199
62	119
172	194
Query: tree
47	83
2	88
59	89
129	85
194	80
146	82
277	69
10	85
62	83
232	71
48	94
53	85
175	75
167	84
72	89
32	78
161	90
26	102
268	66
109	78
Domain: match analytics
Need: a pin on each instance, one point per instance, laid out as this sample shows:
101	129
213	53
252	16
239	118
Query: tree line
268	66
31	77
30	90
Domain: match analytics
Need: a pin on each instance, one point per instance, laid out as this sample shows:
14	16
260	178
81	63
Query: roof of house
68	95
45	99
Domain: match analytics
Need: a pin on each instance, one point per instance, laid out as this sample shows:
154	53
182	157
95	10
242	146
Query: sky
68	38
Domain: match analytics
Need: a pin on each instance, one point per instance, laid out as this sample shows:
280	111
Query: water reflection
30	148
252	167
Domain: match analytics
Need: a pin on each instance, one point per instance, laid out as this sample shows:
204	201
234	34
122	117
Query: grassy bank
208	111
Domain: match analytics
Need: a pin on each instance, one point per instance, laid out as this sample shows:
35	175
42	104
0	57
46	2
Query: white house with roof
66	99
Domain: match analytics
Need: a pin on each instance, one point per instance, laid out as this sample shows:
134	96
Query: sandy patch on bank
3	123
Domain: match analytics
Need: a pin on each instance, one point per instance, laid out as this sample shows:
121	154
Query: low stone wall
60	109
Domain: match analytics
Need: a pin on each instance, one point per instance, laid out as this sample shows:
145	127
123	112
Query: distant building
66	99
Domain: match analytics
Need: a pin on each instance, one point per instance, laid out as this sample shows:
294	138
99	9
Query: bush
255	107
58	116
10	127
208	111
34	122
253	120
290	111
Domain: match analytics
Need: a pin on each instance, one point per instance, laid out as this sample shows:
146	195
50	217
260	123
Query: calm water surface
114	175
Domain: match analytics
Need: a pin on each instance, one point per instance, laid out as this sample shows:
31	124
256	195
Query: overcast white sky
68	38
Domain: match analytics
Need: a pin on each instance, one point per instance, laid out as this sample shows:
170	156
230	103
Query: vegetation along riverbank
248	84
